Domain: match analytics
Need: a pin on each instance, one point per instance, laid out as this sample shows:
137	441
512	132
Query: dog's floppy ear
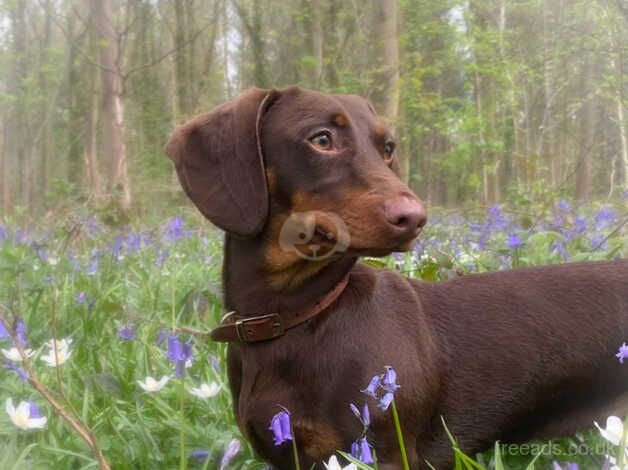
219	161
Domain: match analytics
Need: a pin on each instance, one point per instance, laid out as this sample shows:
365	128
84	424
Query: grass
164	274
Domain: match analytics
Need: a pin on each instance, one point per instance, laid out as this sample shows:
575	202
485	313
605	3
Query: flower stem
297	466
402	446
621	458
181	425
172	299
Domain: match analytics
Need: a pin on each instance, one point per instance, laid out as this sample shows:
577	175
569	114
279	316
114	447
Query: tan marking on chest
318	440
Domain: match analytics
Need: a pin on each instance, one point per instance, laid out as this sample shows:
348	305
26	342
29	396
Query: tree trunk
90	153
118	186
385	94
180	60
588	122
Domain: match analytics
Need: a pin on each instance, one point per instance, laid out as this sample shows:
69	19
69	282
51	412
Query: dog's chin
379	252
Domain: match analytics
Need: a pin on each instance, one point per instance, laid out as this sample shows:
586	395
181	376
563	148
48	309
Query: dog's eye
321	141
389	148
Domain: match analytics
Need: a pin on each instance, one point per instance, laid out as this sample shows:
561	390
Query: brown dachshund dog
304	183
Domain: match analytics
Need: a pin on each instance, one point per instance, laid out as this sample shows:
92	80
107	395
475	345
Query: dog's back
530	353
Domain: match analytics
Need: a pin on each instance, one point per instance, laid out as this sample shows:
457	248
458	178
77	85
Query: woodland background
491	100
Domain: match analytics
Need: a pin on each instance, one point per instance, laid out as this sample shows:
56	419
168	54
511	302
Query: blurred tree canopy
489	99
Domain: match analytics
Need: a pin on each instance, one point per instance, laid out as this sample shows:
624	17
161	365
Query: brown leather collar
272	325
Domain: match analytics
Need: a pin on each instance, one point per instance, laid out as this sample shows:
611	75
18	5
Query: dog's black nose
406	214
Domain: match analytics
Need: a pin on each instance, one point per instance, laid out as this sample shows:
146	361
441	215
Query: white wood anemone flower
151	385
332	464
613	431
63	343
62	354
26	415
13	354
206	390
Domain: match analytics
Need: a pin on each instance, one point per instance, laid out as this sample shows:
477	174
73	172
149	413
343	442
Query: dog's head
313	173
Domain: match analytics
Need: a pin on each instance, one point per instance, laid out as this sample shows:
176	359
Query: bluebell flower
161	258
599	242
134	242
163	336
389	382
560	248
355	450
605	217
233	448
372	387
92	268
4	332
280	427
127	332
214	362
580	225
23	375
622	353
81	298
564	206
568	466
355	411
200	454
514	241
20	333
366	454
366	415
116	247
385	401
179	354
175	229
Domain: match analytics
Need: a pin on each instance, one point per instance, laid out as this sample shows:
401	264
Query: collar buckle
260	328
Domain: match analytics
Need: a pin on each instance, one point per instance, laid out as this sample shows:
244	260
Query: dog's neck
250	290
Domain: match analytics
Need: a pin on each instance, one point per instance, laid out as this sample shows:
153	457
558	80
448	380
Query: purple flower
174	231
355	411
568	466
559	248
163	336
179	353
366	415
372	387
4	332
280	426
564	206
214	362
622	353
18	370
366	455
514	241
34	411
599	241
389	383
605	217
127	332
200	454
385	401
116	247
355	450
161	258
92	269
20	333
580	225
232	450
81	298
